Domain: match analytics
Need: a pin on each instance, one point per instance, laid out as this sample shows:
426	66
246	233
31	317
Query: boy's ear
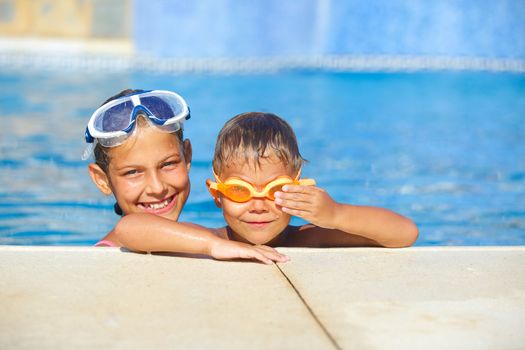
214	193
100	178
186	145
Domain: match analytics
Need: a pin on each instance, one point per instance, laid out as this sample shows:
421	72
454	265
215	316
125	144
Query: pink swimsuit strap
105	243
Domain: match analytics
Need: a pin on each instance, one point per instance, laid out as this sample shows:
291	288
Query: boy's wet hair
250	137
102	156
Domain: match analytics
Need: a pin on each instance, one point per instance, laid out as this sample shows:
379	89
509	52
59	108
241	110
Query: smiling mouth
159	207
258	223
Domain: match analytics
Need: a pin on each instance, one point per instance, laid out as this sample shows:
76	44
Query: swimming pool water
446	149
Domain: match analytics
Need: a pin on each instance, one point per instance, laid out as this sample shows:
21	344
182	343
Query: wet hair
102	154
250	137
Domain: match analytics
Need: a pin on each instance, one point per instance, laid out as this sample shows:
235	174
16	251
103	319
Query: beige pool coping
348	298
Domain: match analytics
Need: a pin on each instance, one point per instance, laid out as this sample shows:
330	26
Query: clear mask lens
114	141
118	140
162	109
115	118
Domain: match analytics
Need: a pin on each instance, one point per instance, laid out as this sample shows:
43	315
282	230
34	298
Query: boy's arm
152	233
373	224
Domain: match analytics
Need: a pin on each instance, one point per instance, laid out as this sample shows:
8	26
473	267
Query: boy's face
149	173
258	220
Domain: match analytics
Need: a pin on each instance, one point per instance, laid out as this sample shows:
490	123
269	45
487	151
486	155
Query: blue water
444	148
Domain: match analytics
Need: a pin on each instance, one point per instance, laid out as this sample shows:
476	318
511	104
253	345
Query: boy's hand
310	203
222	249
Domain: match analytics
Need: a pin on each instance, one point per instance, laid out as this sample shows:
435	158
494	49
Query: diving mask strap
88	151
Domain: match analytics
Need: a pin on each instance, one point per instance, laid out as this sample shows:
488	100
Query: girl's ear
186	145
100	178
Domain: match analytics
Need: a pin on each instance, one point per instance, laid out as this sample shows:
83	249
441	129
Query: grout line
323	328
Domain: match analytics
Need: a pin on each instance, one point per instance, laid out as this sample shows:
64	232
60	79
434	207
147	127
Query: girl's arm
152	233
366	225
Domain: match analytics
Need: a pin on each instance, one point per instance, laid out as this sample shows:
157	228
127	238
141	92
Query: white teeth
157	206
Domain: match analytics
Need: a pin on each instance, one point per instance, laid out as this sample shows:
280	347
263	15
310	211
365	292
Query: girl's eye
169	164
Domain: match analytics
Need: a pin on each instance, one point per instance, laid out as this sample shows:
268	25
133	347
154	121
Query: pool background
417	106
443	148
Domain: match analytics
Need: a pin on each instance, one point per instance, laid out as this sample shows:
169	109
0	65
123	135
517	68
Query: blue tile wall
291	28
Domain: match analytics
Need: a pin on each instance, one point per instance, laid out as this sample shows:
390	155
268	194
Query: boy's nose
259	205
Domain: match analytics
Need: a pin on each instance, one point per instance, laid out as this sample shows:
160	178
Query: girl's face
259	220
149	173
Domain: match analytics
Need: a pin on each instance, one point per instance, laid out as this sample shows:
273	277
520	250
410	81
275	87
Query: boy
257	168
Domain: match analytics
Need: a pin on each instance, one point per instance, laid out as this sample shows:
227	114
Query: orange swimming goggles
242	191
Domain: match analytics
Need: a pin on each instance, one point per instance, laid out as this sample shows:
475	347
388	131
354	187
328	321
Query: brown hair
102	154
252	136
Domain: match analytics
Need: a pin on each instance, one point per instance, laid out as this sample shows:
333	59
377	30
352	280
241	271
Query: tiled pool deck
360	298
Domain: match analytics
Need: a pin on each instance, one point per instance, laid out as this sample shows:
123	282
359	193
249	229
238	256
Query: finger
266	248
270	252
273	254
297	189
296	212
295	196
254	254
295	205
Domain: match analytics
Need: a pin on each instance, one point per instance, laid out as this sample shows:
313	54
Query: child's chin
259	242
264	240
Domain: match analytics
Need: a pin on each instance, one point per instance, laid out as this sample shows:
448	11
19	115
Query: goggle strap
216	176
307	182
88	137
88	151
212	188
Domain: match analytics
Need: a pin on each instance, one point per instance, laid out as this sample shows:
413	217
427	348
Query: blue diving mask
114	122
